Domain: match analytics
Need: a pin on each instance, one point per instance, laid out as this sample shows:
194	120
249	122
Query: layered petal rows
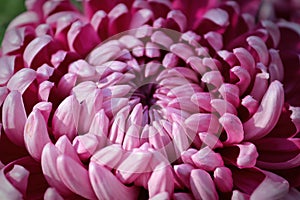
151	99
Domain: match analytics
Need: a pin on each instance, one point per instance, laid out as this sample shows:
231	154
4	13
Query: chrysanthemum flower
150	99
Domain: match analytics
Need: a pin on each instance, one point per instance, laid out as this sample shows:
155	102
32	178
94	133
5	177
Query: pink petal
218	16
89	107
182	50
250	104
260	47
261	83
203	100
69	171
246	60
264	120
18	176
210	140
202	185
44	90
133	165
140	18
108	156
276	67
230	93
7	69
34	49
36	134
21	80
48	161
182	196
3	94
82	69
215	39
222	106
243	76
25	19
52	194
82	90
161	38
14	117
8	191
107	186
223	179
86	145
100	124
65	122
203	122
179	18
207	159
132	137
180	138
273	186
65	147
183	172
44	72
77	38
233	127
161	180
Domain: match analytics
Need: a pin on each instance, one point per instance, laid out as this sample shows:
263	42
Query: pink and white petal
36	134
18	176
65	147
161	180
273	186
183	172
182	196
233	127
69	171
267	115
107	186
202	185
65	119
100	124
21	80
86	145
109	156
7	190
52	194
7	64
133	164
207	159
14	117
48	161
223	179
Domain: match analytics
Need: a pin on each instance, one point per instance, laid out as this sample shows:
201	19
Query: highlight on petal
107	186
267	115
14	117
65	122
69	171
36	134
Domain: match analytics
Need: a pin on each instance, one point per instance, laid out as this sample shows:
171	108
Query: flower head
150	99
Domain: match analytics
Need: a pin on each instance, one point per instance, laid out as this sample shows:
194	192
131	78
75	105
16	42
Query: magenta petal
109	156
223	179
36	134
3	94
161	180
65	122
21	80
273	186
65	147
133	165
14	117
69	171
52	194
18	176
7	69
246	60
89	107
48	161
182	196
207	159
202	185
183	172
247	156
264	120
7	190
203	122
233	127
107	186
86	145
243	76
260	47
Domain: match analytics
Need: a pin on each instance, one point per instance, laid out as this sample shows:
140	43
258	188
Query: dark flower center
145	94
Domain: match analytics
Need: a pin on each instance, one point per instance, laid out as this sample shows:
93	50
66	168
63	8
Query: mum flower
151	99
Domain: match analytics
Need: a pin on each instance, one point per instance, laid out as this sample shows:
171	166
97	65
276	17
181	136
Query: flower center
145	94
